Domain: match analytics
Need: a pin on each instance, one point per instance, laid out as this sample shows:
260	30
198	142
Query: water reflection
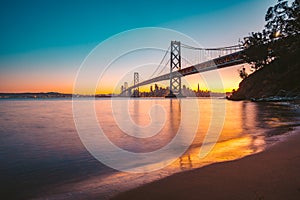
240	136
154	116
185	162
278	118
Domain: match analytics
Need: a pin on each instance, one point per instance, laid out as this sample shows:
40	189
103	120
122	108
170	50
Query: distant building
156	87
125	85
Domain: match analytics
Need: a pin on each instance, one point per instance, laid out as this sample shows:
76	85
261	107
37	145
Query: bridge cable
160	63
164	67
233	47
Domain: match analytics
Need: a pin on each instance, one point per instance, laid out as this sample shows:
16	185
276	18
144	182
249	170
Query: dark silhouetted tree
279	39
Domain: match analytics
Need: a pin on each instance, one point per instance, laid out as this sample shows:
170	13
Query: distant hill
47	95
40	95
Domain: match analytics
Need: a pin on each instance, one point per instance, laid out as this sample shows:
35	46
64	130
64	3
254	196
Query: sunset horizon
47	57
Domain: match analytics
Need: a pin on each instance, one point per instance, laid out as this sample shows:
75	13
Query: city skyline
154	90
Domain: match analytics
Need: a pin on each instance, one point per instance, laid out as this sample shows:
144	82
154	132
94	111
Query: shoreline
270	174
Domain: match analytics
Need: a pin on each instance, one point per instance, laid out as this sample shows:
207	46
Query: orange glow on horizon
68	88
64	82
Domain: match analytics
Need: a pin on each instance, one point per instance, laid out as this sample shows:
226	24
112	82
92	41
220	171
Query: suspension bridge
226	57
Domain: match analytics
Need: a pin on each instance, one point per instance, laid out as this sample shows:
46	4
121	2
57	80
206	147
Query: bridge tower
136	82
175	65
126	92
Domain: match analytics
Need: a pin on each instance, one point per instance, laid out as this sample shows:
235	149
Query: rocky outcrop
276	79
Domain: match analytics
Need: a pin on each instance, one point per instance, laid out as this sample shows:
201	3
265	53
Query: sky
43	43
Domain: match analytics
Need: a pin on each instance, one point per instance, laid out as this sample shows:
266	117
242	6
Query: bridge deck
217	63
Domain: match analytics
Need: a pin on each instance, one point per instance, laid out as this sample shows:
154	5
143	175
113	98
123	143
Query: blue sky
40	36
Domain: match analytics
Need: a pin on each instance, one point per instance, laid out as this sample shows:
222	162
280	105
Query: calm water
42	156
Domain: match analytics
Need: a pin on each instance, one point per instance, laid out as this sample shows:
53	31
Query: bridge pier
175	65
136	91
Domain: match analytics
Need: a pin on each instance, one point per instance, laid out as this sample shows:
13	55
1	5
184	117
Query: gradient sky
43	43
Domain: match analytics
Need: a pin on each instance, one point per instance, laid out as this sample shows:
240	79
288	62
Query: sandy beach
271	174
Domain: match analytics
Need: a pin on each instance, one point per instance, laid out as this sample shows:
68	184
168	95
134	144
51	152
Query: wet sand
271	174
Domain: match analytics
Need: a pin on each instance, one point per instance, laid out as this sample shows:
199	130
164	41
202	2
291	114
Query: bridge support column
136	92
175	65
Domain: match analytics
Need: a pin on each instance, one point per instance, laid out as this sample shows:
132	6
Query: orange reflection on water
223	151
240	136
